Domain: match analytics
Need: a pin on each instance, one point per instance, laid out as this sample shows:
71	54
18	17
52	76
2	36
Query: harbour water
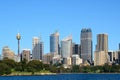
65	77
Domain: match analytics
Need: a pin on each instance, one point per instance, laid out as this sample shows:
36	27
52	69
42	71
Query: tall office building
86	45
66	47
66	50
26	54
38	49
102	42
7	53
101	53
54	43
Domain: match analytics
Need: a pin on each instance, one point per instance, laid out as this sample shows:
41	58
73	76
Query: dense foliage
8	66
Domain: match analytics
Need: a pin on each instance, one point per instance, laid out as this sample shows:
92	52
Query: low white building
17	58
76	60
56	59
67	61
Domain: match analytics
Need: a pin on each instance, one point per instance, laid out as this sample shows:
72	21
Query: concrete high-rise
86	45
38	49
102	42
101	53
54	43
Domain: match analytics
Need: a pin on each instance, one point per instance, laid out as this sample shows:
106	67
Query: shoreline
43	74
29	74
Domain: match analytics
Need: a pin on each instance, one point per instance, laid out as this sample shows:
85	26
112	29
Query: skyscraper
86	45
54	43
38	49
66	50
102	42
101	53
66	47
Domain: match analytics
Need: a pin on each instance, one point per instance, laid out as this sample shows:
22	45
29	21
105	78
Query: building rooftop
67	38
86	30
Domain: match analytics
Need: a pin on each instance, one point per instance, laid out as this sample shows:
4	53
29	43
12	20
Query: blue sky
43	17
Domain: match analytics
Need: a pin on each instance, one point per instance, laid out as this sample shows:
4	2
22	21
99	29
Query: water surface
65	77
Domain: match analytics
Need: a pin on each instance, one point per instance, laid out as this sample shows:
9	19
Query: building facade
102	42
76	60
26	54
17	58
116	57
47	58
66	49
86	45
100	58
101	53
54	43
38	49
7	53
76	49
111	56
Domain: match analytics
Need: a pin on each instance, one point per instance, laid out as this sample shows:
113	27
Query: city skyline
41	18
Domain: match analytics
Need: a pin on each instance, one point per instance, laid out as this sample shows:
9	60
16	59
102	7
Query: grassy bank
43	72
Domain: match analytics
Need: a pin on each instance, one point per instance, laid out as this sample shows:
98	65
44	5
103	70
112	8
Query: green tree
4	69
107	68
18	66
60	69
115	69
53	69
46	66
11	63
24	65
34	66
75	68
